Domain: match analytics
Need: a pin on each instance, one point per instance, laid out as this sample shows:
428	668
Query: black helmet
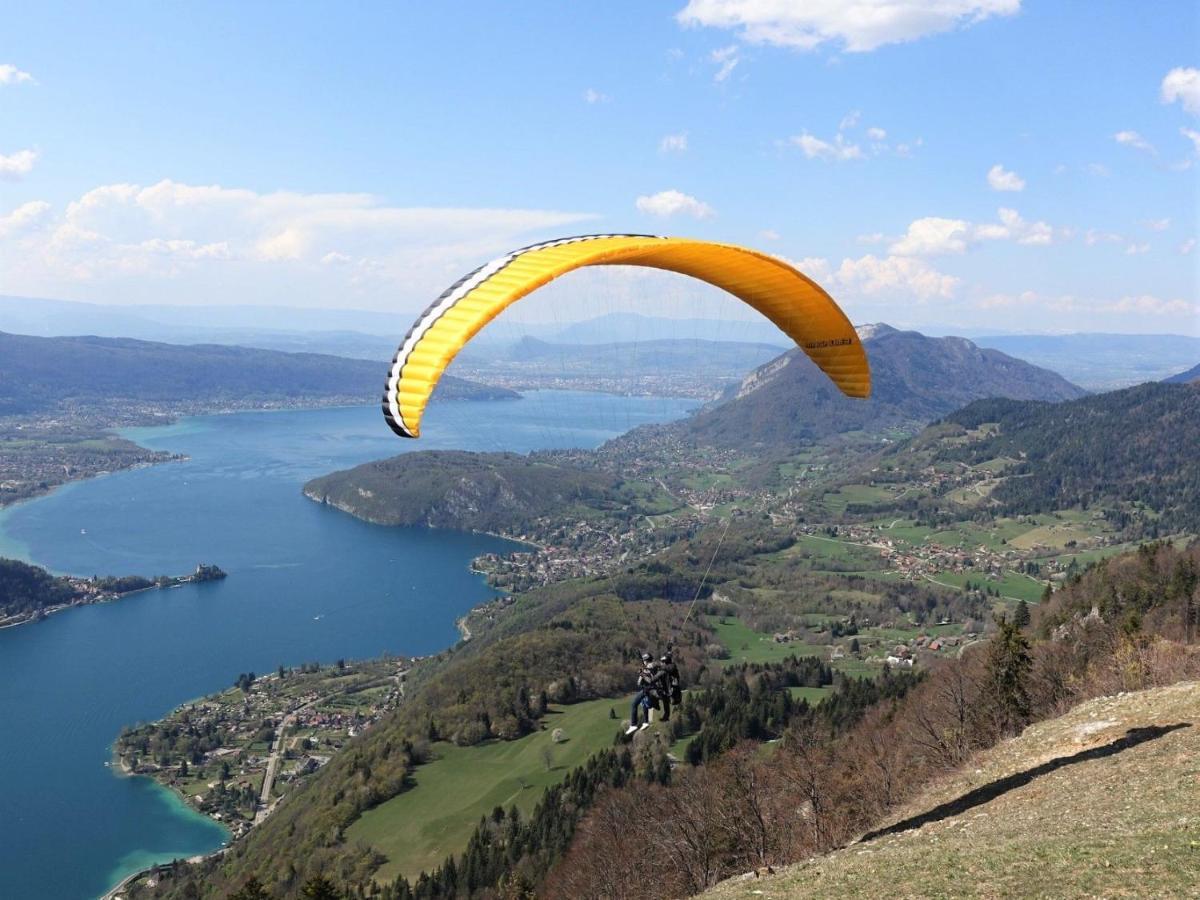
646	657
666	657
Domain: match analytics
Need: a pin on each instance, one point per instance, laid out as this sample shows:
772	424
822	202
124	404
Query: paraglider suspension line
704	580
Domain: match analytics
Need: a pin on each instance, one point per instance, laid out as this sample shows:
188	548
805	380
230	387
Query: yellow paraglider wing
801	309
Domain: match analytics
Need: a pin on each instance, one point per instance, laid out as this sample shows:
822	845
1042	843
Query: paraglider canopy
790	299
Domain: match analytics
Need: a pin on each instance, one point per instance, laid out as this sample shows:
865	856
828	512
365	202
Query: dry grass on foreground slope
1103	802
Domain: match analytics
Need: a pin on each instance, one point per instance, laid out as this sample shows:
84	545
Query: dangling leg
634	711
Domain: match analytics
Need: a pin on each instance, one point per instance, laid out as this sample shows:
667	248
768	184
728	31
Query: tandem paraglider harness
658	688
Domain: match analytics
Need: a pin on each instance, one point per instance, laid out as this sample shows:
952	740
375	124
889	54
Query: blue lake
306	582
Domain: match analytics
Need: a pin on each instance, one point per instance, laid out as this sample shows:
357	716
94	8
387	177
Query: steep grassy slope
1104	801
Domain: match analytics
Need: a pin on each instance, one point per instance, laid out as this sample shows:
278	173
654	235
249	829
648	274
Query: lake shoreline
309	586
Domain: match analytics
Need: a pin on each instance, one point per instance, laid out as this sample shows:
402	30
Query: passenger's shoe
644	726
631	729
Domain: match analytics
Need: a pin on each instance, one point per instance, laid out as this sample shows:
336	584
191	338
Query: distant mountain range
39	373
1094	361
719	360
1191	374
1102	361
915	379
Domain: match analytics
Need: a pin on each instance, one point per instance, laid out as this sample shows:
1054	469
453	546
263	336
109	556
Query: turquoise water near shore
306	582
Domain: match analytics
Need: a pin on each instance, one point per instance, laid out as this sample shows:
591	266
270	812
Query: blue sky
365	155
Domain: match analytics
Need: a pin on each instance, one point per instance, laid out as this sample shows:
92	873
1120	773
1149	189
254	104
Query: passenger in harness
647	696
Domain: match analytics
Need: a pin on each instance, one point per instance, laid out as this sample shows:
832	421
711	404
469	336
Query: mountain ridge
38	373
1192	374
915	380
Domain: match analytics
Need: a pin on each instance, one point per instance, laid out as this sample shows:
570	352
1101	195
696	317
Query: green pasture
1011	584
813	695
747	645
419	828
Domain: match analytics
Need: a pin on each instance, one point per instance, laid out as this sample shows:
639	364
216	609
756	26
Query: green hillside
1136	446
501	492
418	828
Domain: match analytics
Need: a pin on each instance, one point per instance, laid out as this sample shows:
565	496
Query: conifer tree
1009	664
320	888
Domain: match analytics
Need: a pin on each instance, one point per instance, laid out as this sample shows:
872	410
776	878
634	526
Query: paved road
264	800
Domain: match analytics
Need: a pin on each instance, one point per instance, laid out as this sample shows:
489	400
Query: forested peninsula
30	593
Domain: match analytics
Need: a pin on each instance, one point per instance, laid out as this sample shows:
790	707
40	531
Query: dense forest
26	589
497	492
1134	446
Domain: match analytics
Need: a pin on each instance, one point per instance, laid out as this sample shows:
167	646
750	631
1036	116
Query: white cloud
815	148
858	26
670	203
206	243
1095	236
842	148
673	143
1143	304
1193	136
870	275
1187	246
1000	179
10	74
24	217
936	236
17	165
591	95
1148	304
1099	169
933	235
1136	249
1157	224
769	234
1017	229
1134	140
1182	85
726	60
